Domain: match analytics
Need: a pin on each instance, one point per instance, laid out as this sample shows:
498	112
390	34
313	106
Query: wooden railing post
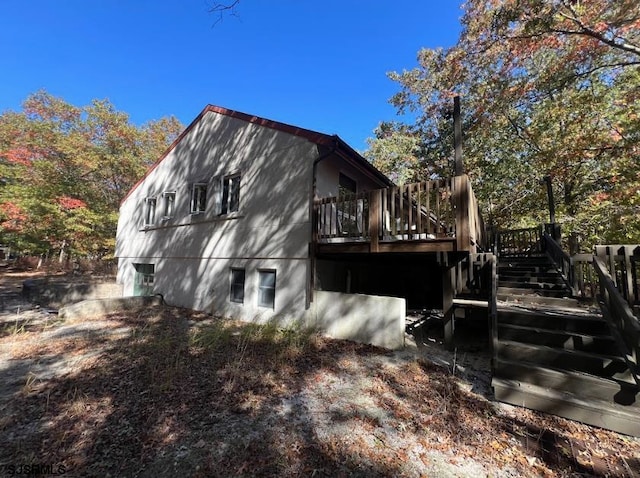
461	202
374	219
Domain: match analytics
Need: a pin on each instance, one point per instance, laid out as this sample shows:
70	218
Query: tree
549	87
64	170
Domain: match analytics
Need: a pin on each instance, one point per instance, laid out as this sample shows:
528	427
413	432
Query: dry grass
185	394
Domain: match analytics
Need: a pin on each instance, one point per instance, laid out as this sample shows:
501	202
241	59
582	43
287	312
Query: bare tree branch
583	29
221	9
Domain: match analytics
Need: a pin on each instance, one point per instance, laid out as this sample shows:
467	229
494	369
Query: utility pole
457	137
552	205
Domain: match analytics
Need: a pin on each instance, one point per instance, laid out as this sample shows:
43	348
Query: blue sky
318	65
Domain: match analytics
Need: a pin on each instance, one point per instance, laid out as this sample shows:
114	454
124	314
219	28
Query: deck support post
448	287
374	220
461	202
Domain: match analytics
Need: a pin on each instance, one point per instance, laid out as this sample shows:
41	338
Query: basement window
237	286
267	289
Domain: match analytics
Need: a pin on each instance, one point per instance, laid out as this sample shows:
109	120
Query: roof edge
310	135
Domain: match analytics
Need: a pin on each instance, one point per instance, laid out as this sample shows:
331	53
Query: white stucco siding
204	284
275	169
193	254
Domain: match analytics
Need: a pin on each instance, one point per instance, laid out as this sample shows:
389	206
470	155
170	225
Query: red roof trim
312	136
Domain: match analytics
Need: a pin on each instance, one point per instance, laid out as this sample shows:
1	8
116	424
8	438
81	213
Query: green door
143	280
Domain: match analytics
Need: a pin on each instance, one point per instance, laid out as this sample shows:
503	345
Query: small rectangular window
267	289
237	286
144	279
231	194
198	198
169	198
150	211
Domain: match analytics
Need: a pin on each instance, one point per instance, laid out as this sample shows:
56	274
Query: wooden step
517	296
600	413
510	290
510	274
568	340
617	391
600	365
530	267
560	320
526	284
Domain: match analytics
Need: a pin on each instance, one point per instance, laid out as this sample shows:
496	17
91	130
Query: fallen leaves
184	394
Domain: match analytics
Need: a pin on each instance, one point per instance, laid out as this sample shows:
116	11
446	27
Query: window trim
168	214
150	211
271	306
192	204
232	284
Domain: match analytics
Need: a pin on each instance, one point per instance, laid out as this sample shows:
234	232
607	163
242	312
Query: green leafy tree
549	87
64	170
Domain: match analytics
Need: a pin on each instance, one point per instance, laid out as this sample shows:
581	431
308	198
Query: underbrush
186	394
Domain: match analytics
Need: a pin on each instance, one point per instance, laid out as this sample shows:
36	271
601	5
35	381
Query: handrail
429	210
620	317
524	241
623	262
562	260
584	276
493	310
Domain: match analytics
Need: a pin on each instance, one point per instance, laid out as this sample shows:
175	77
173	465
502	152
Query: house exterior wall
328	173
193	254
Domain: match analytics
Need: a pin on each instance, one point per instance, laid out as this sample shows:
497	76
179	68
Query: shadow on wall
272	223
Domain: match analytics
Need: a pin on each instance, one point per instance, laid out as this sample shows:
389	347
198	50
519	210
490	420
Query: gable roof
332	141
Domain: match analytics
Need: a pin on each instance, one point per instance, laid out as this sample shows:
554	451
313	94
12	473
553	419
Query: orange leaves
14	216
69	203
19	155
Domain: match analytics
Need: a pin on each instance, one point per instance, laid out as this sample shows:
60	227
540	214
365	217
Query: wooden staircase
555	354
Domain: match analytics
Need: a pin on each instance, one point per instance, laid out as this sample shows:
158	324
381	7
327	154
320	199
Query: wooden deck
441	215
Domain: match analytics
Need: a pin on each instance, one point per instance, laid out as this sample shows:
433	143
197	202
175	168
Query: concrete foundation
89	308
375	320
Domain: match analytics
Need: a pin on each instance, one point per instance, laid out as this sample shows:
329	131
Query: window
231	194
267	289
346	185
198	198
150	211
169	204
349	209
143	279
237	286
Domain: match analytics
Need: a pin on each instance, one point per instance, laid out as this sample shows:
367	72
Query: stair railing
563	261
518	242
493	310
618	313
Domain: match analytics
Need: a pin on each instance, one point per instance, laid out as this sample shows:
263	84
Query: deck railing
519	242
623	263
425	211
623	322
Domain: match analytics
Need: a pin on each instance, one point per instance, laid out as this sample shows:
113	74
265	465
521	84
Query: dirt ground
167	391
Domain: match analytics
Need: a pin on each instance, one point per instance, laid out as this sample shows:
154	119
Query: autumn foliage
64	170
548	88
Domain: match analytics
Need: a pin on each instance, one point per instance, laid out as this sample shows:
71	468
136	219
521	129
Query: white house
222	222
